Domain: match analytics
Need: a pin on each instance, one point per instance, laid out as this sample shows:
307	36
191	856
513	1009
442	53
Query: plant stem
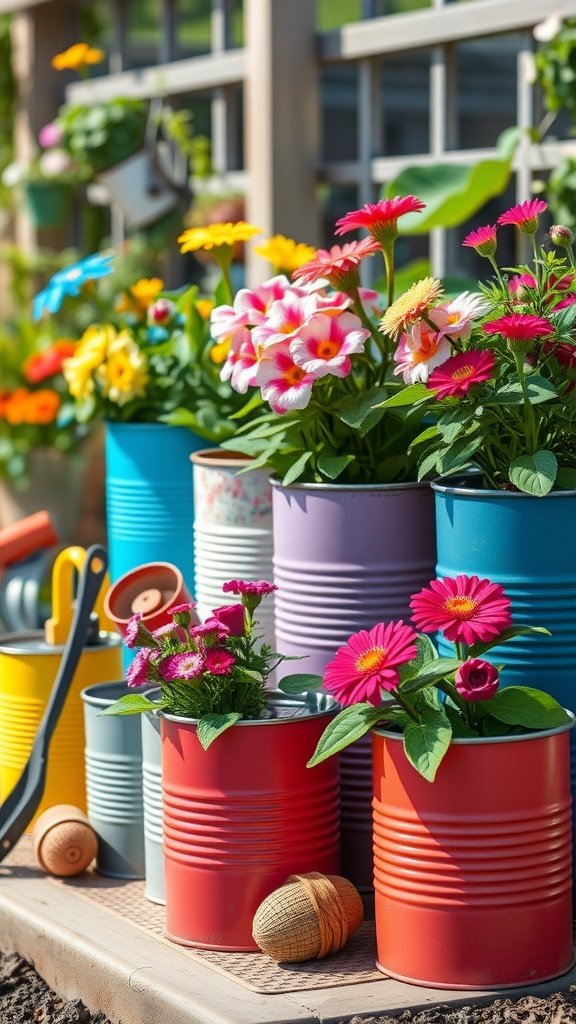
405	706
530	425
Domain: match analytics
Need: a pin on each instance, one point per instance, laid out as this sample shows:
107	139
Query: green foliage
100	135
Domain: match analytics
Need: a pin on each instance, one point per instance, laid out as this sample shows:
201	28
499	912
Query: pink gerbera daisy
368	663
525	215
519	329
458	373
380	219
483	240
140	668
186	665
339	265
219	662
466	609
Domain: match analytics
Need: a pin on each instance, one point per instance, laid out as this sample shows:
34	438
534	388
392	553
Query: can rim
400	486
89	697
443	486
275	697
475	741
31	637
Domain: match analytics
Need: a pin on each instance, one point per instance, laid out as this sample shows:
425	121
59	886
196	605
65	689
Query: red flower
465	609
232	618
380	219
339	264
563	352
525	215
368	663
458	373
48	363
219	662
519	328
483	240
476	680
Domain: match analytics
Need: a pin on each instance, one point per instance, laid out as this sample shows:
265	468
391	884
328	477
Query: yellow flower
77	57
285	254
215	235
219	351
123	376
140	295
91	353
205	307
410	306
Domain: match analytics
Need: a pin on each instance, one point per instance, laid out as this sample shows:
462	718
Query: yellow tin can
28	665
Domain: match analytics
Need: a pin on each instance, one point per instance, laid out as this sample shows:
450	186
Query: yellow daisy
213	236
410	306
285	254
205	307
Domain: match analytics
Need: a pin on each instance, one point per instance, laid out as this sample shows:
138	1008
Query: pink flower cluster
283	338
466	609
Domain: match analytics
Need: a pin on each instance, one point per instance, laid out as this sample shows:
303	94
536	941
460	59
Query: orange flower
15	407
77	57
139	296
48	363
42	406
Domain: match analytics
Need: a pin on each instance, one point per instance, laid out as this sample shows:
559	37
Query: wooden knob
64	841
147	601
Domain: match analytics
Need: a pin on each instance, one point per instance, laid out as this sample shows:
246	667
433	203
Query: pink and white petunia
226	323
325	343
242	363
419	351
454	319
284	384
256	302
285	317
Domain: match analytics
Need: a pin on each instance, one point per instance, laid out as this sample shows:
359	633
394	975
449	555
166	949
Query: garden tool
29	662
24	558
19	808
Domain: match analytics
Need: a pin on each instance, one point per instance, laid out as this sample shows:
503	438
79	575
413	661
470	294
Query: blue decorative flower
69	281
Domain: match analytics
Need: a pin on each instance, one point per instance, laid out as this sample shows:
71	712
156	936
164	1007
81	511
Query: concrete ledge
85	952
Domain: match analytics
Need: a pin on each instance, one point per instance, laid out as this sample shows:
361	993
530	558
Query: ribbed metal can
242	816
473	873
524	544
114	782
155	887
232	530
149	496
346	558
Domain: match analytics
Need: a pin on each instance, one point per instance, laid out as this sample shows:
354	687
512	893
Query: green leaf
460	730
300	682
296	469
211	726
534	474
538	390
426	654
396	716
439	669
355	412
533	709
333	465
348	725
452	192
477	650
254	402
454	422
429	463
565	478
427	435
493	727
459	454
426	742
409	395
132	704
564	319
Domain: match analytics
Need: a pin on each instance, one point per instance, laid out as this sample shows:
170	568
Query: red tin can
242	816
473	872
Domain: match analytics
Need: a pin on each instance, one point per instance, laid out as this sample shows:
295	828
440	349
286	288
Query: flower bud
161	312
476	679
561	236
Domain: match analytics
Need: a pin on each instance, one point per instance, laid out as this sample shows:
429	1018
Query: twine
332	918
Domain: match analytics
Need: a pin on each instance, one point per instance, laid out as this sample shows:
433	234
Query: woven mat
256	971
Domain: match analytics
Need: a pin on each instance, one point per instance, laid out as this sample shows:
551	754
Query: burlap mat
351	966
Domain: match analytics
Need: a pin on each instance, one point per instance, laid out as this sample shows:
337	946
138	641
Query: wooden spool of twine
309	917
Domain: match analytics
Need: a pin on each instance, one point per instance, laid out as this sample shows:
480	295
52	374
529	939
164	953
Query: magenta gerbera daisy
368	663
380	219
186	665
525	215
339	264
455	376
219	662
483	240
139	669
466	609
519	328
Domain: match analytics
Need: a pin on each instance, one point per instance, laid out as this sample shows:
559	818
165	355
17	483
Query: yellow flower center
328	349
373	660
294	375
462	373
461	607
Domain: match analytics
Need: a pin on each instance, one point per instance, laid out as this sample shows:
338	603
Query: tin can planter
345	558
29	663
114	782
520	542
152	804
232	530
149	497
473	873
139	188
242	816
49	203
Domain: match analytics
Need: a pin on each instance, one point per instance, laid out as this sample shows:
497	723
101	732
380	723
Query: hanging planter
138	186
49	203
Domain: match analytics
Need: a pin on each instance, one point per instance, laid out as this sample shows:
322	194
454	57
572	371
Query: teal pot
346	558
49	203
526	544
152	796
114	782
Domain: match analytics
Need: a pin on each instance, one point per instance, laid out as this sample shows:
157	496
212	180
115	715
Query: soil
558	1008
26	999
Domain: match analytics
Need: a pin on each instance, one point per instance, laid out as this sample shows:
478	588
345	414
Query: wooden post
281	123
